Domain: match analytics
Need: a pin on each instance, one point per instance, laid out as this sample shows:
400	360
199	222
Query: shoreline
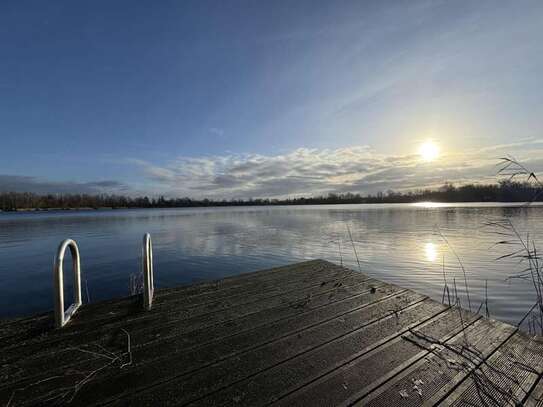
420	204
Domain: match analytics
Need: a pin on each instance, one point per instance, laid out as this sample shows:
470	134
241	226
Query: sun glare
429	151
430	252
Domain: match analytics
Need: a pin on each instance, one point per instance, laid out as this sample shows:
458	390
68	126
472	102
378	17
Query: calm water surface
395	243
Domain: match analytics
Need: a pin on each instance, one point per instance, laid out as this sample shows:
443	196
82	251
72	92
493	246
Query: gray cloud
20	183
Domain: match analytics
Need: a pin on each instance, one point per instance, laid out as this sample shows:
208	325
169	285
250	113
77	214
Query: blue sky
260	98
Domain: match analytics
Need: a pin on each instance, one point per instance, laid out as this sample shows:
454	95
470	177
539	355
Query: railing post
62	317
147	266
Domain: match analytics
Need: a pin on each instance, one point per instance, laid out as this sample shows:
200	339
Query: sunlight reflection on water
431	204
430	251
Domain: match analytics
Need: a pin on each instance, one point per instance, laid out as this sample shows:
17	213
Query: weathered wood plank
173	315
308	334
310	274
152	344
306	270
238	280
368	371
196	384
149	333
535	398
269	385
505	379
447	364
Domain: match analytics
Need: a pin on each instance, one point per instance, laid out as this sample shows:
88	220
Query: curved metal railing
62	317
147	269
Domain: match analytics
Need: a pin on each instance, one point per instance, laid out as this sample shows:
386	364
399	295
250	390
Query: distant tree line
504	191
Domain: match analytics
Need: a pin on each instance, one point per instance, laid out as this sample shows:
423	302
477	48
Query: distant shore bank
503	191
422	204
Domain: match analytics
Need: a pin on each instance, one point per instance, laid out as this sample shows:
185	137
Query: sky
247	99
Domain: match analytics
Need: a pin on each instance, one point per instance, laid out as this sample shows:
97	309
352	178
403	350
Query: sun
429	151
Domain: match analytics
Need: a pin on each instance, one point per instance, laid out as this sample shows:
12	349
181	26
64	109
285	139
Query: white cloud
309	172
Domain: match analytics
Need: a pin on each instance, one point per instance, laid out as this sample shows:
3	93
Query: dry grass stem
354	248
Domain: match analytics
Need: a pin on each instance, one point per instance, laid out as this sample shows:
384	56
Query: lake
396	243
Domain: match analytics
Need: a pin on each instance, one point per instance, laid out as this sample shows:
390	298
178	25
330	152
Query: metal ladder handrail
62	317
147	270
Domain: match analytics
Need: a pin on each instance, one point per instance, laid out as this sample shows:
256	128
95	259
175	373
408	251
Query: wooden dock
310	334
